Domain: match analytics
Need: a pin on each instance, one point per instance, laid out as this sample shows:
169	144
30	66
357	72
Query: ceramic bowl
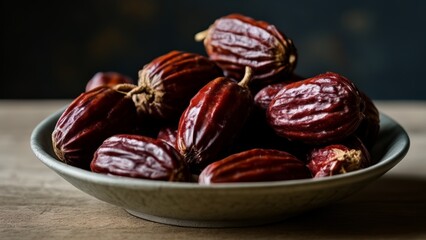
223	205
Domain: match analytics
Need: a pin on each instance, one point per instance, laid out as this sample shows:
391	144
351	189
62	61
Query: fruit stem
247	77
124	87
136	90
201	35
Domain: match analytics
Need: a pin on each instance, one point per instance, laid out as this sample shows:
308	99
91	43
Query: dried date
334	159
369	127
255	165
168	135
321	109
213	119
139	157
90	119
168	82
236	41
107	79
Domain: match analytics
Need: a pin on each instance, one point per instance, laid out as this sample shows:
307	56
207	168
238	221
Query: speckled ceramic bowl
223	205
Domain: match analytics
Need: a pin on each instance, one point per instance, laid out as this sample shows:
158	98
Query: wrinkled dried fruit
236	41
321	109
167	83
264	96
212	120
139	157
107	79
256	165
168	135
90	119
368	130
338	158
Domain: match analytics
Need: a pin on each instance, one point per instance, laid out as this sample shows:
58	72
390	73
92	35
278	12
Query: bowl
223	205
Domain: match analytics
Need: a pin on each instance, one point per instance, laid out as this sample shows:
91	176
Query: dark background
52	48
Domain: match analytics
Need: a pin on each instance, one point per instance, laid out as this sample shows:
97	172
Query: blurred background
52	48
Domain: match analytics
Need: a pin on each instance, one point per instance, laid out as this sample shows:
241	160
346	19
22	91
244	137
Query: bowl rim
47	124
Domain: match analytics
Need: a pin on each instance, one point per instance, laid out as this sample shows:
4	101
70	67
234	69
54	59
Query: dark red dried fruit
107	79
368	130
321	109
168	135
265	95
338	158
212	120
256	165
139	157
88	121
236	41
168	82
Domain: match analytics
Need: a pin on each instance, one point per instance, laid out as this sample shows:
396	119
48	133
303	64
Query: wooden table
35	203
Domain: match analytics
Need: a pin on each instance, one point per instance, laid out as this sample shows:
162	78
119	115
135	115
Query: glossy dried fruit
139	157
212	120
168	82
321	109
90	119
368	130
107	79
338	158
265	95
236	41
168	135
256	165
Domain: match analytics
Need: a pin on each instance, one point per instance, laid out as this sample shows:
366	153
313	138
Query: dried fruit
264	96
212	120
90	119
167	83
368	130
338	158
189	111
321	109
139	157
168	135
236	41
107	79
256	165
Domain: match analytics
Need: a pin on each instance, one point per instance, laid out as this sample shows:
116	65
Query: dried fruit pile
239	114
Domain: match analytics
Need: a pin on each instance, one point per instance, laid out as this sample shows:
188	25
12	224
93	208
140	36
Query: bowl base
203	223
